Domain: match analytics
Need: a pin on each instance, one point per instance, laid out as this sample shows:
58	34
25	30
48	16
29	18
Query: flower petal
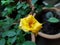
29	23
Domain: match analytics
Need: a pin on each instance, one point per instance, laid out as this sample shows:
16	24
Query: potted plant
51	25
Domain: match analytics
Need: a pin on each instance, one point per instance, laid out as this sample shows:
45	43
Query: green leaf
16	26
6	2
19	11
20	37
18	3
53	20
12	40
28	43
1	23
22	12
2	42
18	17
38	9
49	6
19	32
4	13
49	15
34	1
7	11
3	2
7	23
9	33
25	6
19	6
18	43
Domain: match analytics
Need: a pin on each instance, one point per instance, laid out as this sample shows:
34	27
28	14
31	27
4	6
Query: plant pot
54	26
44	41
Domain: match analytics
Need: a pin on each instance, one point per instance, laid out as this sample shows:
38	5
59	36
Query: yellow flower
29	23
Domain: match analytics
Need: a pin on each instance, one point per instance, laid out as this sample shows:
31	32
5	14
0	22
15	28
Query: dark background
43	41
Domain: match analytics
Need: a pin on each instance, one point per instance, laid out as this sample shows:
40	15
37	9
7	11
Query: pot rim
56	36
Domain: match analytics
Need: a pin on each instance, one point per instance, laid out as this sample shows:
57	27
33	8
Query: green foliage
49	15
9	33
7	23
8	10
2	41
11	13
11	40
28	43
6	2
53	20
34	1
49	6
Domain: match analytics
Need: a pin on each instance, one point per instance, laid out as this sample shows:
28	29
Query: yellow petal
36	27
29	23
24	25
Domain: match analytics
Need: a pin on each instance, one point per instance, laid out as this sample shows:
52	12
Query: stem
32	37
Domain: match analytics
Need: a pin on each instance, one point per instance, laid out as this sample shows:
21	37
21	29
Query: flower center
30	24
